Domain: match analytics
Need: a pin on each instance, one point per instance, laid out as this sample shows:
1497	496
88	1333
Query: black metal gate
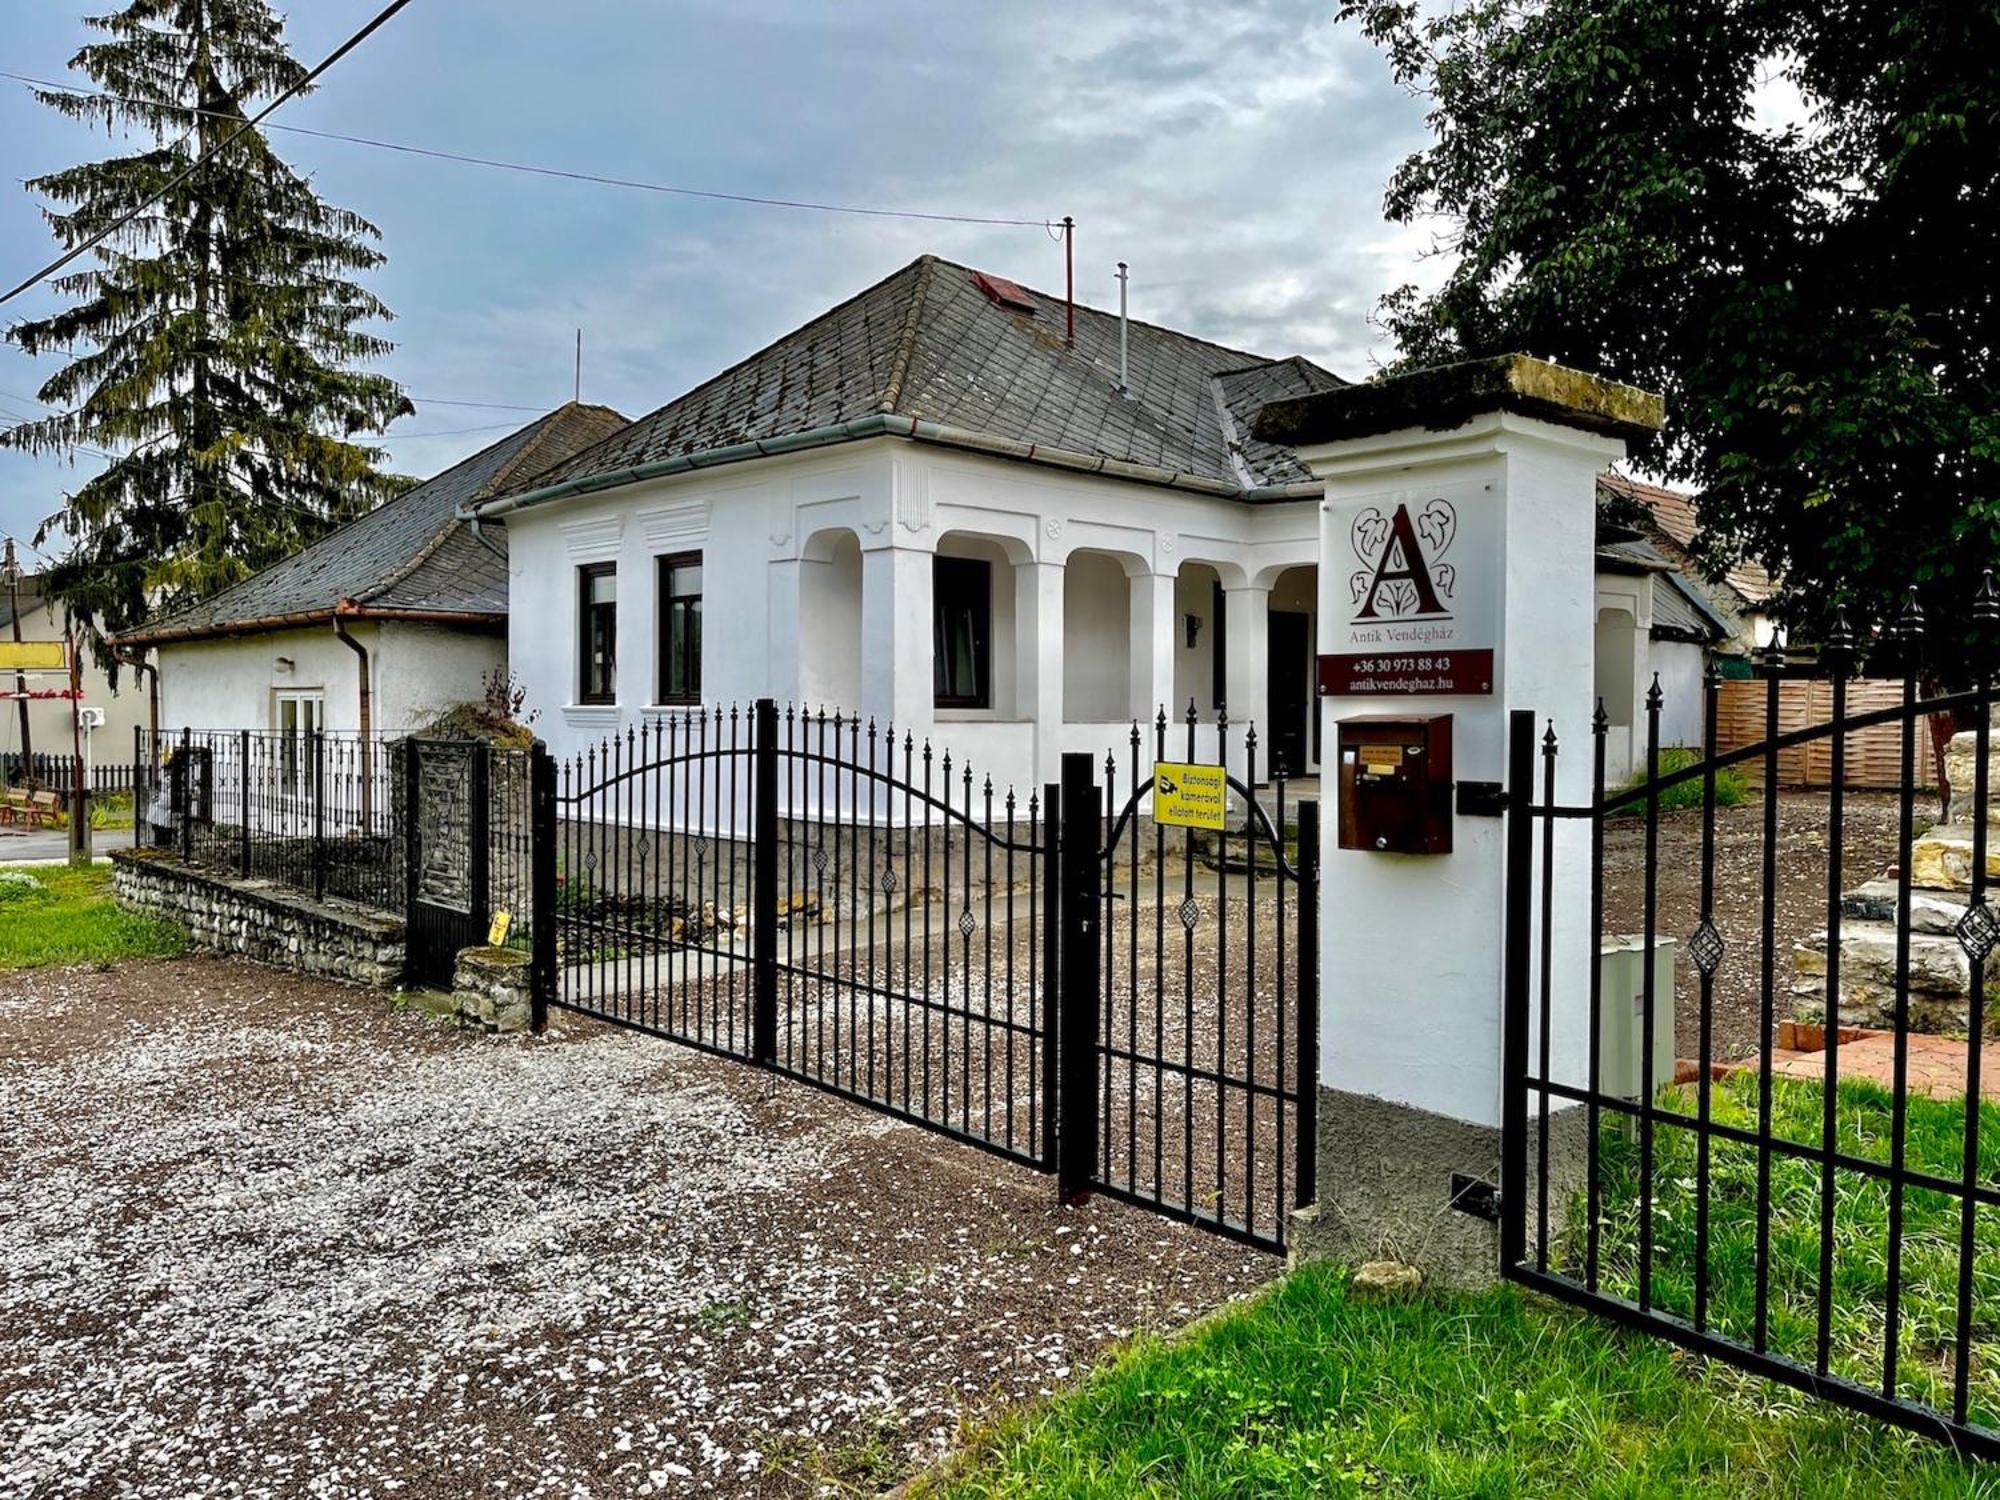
1831	1233
447	820
823	898
1205	1042
842	904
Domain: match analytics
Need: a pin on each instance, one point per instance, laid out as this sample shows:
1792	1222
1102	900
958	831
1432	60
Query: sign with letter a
1415	592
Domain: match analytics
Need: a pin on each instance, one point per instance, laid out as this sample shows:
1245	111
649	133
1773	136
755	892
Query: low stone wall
493	989
261	920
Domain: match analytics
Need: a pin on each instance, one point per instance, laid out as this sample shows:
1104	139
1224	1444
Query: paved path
1937	1065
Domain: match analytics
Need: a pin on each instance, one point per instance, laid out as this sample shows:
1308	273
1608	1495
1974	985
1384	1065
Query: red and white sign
1415	598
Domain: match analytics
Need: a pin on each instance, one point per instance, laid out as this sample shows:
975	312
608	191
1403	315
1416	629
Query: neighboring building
926	507
1660	614
50	730
1652	621
1666	518
395	617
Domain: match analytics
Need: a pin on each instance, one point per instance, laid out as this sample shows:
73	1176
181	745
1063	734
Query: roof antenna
1124	334
1069	280
578	396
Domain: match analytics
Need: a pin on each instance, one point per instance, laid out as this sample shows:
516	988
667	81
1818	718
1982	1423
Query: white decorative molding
668	528
1167	540
913	497
781	526
1054	528
592	715
594	540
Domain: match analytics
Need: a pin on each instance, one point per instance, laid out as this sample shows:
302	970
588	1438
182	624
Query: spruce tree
216	345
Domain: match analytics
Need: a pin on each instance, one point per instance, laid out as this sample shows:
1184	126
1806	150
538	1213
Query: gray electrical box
1621	967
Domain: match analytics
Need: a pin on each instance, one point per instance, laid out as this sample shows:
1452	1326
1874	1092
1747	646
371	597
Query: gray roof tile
410	554
928	343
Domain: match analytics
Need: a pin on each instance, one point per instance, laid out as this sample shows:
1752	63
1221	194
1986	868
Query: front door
1290	689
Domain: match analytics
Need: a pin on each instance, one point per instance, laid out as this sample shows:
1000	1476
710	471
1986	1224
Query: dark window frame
585	574
665	613
966	570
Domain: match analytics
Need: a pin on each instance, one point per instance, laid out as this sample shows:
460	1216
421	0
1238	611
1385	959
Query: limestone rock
1940	983
1936	912
1942	859
1961	766
1386	1278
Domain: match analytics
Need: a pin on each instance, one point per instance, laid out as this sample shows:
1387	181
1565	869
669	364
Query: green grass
1934	1143
1311	1391
71	919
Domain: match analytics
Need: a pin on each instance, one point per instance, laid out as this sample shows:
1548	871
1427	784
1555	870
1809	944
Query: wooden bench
15	807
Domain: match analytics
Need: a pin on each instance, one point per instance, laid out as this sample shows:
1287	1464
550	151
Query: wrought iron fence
57	774
1836	1234
317	812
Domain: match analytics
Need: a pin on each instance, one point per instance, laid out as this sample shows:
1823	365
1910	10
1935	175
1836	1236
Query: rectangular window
597	633
961	632
680	628
299	715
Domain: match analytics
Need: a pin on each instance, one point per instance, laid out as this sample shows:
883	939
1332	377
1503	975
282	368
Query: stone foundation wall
261	920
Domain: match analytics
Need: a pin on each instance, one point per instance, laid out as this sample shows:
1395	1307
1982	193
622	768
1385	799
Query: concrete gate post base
1385	1188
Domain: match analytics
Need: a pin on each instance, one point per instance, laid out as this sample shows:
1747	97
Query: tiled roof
1673	512
410	554
929	344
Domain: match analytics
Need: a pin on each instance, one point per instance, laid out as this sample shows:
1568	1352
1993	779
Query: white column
1038	656
1152	661
1247	672
896	682
781	671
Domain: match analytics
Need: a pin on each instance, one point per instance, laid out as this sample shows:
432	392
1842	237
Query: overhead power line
381	19
570	175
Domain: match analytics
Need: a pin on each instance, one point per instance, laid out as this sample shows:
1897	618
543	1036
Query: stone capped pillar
1494	463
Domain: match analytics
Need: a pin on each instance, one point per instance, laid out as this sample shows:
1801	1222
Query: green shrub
1730	787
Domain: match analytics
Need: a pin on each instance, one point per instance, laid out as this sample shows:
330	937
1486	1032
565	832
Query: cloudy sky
1235	155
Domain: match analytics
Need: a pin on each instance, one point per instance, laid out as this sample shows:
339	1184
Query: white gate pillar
1493	465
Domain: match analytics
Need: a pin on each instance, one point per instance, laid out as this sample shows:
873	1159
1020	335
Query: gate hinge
1481	799
1475	1196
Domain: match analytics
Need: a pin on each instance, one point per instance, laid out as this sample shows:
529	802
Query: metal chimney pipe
1124	336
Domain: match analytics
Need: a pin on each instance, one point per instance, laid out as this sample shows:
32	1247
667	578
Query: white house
382	624
931	507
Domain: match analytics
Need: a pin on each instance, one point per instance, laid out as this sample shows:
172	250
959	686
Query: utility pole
79	796
10	573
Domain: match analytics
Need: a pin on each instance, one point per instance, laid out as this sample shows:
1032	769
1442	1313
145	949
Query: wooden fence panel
1874	755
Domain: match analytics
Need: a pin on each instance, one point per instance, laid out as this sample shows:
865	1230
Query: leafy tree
215	345
1817	299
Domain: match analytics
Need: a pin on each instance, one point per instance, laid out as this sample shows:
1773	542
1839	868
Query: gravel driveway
263	1236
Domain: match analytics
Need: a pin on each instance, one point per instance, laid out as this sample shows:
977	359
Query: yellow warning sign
496	935
33	656
1189	796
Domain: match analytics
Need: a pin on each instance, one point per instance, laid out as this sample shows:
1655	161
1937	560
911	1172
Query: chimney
1124	336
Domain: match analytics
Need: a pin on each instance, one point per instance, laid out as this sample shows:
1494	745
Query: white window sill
588	714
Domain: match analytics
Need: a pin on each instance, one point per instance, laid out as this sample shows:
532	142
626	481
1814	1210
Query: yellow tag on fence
1189	796
496	935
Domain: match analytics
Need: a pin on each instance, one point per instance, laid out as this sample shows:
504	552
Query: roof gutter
298	619
914	429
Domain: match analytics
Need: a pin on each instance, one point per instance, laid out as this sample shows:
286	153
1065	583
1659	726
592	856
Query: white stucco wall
419	671
51	727
768	617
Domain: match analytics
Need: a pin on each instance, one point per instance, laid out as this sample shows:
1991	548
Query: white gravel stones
262	1238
